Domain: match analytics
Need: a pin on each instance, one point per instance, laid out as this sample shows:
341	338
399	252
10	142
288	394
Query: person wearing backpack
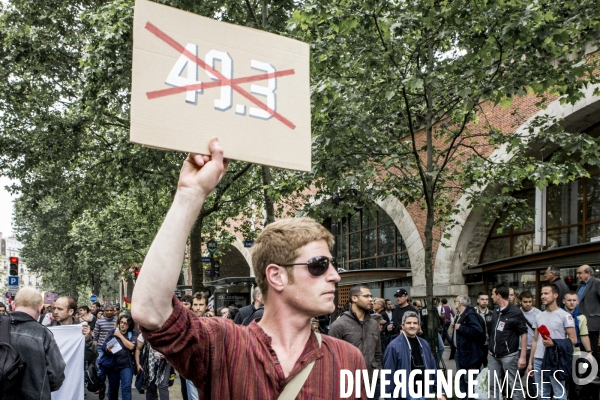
470	336
45	367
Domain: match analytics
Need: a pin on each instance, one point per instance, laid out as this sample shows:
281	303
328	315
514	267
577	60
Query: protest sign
194	78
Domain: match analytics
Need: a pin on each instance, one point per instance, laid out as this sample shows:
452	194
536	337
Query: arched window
369	239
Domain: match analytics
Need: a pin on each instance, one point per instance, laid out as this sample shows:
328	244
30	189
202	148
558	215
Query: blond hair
279	244
28	297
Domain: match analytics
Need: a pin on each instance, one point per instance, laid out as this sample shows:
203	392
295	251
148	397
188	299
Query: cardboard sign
195	78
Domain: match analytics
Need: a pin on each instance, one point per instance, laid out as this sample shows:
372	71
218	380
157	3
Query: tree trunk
431	333
196	256
266	177
96	285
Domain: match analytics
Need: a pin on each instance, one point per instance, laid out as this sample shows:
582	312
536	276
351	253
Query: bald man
36	346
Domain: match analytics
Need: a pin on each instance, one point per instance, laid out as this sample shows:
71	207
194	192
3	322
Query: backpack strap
293	387
5	322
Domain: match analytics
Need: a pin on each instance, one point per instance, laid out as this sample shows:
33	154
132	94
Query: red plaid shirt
229	361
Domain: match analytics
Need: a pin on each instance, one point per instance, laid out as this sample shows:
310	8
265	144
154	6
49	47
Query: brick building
383	245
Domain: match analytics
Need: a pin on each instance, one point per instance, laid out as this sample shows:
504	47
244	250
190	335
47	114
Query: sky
6	208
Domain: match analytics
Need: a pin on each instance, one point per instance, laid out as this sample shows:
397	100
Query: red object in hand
544	332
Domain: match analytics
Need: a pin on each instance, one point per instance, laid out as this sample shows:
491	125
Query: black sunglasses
317	266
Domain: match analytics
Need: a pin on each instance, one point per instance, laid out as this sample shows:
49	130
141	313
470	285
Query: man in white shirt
388	308
561	325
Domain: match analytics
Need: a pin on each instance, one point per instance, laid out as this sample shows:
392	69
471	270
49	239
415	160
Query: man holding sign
295	272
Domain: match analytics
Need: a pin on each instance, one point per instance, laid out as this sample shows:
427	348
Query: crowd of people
277	347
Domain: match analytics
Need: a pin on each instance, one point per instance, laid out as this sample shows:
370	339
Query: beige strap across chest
294	386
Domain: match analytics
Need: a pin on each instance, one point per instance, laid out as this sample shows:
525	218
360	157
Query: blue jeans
500	369
191	390
441	349
101	372
126	377
558	387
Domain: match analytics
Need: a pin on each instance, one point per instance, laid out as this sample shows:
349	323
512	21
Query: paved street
174	392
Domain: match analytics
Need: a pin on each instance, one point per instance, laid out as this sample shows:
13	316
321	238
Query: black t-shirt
397	315
92	323
416	360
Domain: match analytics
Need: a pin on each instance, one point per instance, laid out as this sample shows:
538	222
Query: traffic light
14	266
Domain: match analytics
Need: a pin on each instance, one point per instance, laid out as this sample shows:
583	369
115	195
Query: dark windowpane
529	197
496	249
342	248
355	246
386	262
400	245
355	222
368	243
354	265
402	260
563	237
520	281
386	239
494	231
384	219
369	218
370	263
522	244
343	227
565	204
593	199
591	231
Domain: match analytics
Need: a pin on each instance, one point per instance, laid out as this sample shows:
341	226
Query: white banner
71	343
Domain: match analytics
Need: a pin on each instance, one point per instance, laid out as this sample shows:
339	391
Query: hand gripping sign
195	78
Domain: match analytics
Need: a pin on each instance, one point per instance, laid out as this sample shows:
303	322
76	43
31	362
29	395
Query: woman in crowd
155	368
224	313
118	358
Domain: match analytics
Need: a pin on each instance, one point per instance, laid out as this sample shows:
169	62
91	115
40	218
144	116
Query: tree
89	200
401	91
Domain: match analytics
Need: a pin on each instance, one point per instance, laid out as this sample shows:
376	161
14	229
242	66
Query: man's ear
40	308
276	277
71	312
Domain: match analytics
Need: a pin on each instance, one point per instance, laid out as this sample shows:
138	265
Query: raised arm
152	296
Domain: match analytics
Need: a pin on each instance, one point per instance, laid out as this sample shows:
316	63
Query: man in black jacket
552	276
487	315
470	334
507	336
589	304
247	311
45	370
358	328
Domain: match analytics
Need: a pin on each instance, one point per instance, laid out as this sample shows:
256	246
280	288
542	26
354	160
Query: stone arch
236	261
410	234
469	235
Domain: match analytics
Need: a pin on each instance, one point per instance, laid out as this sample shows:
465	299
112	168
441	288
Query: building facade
11	247
383	246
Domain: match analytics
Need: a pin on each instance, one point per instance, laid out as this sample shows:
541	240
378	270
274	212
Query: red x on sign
244	110
222	80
